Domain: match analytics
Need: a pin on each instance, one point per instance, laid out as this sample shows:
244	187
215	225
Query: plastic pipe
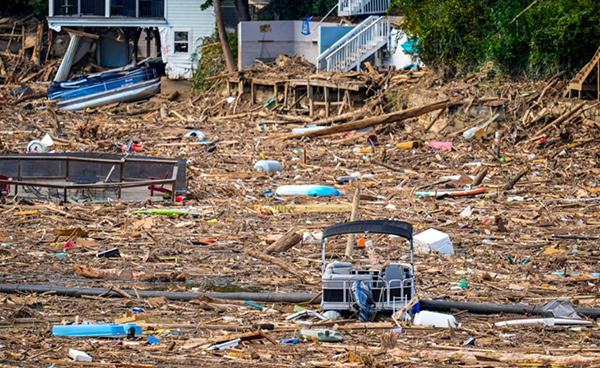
431	305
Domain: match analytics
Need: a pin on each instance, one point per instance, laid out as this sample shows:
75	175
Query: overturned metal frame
129	183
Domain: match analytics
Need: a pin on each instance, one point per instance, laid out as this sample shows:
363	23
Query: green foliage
212	61
20	7
459	35
294	10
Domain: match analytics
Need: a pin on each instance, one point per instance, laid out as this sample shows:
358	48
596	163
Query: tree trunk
243	10
223	37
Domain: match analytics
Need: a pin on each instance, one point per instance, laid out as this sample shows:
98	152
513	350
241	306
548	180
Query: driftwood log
388	118
287	241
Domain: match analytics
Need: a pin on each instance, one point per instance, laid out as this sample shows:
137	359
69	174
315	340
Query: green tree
458	35
294	10
20	7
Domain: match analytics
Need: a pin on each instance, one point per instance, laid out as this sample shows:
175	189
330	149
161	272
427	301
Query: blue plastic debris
293	341
98	330
137	309
153	340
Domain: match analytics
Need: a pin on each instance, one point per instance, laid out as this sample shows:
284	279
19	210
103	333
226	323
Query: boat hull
129	93
105	88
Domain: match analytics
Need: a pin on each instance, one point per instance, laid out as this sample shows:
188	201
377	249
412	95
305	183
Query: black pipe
172	295
431	305
490	308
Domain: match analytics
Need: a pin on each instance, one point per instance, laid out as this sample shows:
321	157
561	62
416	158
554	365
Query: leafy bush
20	7
457	36
212	61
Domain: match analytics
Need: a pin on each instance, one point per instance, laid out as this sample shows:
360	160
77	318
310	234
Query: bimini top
400	228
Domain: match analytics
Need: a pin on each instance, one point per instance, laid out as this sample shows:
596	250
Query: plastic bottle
268	166
371	252
407	145
345	178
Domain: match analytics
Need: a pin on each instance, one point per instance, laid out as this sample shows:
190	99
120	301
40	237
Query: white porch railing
356	7
356	46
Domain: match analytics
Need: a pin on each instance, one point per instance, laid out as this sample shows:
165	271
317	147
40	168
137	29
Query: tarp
411	46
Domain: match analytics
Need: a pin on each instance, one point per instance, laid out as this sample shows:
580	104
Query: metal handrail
356	7
385	299
342	41
360	43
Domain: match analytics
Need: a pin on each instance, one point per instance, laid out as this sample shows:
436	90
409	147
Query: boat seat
394	274
398	280
338	268
337	272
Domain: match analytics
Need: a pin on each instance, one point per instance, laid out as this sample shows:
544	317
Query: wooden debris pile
26	46
529	242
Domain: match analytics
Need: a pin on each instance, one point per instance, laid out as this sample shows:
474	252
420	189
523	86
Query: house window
182	42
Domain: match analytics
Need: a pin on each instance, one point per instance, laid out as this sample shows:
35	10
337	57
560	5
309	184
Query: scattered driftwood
278	262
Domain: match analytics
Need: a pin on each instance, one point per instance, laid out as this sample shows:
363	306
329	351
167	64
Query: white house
174	27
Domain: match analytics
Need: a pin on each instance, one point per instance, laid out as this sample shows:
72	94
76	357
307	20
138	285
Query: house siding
186	15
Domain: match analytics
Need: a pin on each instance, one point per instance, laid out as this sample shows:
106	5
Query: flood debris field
523	241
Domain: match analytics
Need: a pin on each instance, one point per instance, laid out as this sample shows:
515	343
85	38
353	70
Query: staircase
586	81
356	46
357	7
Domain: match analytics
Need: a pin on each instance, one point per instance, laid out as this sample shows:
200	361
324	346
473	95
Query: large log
287	241
387	118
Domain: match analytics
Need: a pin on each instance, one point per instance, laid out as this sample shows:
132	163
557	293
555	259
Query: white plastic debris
427	318
433	239
312	238
471	132
47	140
467	212
79	356
542	321
332	315
225	345
268	166
309	128
36	146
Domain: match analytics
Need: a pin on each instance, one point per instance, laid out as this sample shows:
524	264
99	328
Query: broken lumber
353	217
81	33
567	115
